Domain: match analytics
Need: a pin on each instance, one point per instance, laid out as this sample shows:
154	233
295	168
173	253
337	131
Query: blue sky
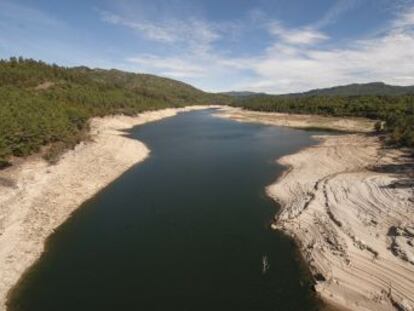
270	46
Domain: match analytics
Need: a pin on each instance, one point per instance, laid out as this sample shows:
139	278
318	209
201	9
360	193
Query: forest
395	113
47	105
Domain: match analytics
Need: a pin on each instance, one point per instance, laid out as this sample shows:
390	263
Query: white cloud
192	32
387	58
406	19
151	31
293	61
339	8
168	66
302	36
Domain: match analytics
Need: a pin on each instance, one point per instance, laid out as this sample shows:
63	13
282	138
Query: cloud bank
294	59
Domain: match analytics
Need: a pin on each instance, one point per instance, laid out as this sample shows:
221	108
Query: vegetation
375	88
43	104
397	112
47	105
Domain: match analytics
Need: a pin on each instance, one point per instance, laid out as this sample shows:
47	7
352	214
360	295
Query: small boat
265	264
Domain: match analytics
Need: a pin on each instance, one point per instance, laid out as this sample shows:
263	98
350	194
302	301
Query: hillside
146	84
48	105
374	88
397	111
242	94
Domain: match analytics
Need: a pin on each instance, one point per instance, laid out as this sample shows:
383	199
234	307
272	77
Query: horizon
225	46
219	92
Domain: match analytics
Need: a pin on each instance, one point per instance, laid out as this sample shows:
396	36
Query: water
187	229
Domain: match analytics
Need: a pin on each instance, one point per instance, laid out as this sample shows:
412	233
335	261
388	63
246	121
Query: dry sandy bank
35	197
349	204
298	120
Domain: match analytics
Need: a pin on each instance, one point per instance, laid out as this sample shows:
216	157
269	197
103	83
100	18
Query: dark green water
186	229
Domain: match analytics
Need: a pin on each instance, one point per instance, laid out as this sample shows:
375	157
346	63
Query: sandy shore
349	204
36	197
299	121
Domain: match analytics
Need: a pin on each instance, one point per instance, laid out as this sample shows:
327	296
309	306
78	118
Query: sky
273	46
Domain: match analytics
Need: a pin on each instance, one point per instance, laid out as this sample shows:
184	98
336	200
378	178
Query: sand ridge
36	197
349	204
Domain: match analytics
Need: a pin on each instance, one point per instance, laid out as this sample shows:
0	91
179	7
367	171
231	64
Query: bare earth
349	204
301	121
36	197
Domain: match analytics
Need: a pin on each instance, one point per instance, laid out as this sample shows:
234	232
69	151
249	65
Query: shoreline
36	197
346	202
349	205
298	121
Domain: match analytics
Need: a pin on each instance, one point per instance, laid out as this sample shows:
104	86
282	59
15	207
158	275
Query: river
187	229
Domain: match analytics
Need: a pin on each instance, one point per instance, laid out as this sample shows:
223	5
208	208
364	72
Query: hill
147	85
374	88
242	94
378	101
48	105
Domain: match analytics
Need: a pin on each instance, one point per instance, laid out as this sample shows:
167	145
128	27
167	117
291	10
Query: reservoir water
187	229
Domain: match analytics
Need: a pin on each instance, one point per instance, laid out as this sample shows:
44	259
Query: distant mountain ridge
354	89
392	106
242	94
374	88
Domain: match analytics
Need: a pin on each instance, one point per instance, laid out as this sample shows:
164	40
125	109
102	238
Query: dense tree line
397	112
48	105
